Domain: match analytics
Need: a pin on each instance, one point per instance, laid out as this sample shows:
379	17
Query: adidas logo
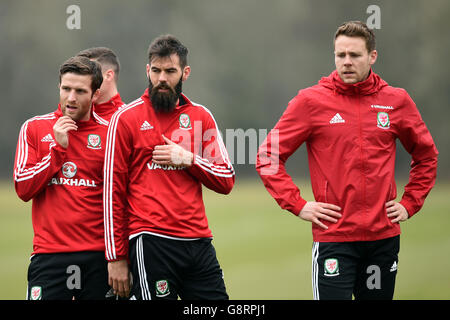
146	126
394	267
337	119
47	138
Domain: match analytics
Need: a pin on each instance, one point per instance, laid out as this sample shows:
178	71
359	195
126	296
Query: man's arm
284	139
32	172
118	150
418	142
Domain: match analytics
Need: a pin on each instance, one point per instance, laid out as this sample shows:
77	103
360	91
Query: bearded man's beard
164	101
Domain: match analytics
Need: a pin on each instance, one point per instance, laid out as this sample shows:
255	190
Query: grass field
265	253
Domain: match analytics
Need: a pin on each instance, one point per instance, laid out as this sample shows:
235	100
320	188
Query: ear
148	71
96	95
186	73
109	74
373	57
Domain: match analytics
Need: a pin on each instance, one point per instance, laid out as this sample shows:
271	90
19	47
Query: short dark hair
357	29
104	56
83	66
166	45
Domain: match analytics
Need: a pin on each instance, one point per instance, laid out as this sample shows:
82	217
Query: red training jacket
141	197
66	185
350	132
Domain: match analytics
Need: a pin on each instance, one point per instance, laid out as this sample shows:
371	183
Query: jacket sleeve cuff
299	206
408	208
118	258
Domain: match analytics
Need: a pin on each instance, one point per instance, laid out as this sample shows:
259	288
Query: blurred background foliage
248	57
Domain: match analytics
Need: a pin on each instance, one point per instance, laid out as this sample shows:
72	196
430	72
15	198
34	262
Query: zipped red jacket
65	185
142	197
106	109
350	132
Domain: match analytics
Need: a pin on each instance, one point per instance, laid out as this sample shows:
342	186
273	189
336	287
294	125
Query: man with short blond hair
350	122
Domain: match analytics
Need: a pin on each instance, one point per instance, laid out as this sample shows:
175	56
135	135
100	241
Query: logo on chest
383	121
337	119
94	142
185	122
69	170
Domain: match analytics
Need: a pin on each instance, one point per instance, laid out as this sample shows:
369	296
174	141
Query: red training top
350	132
66	185
142	197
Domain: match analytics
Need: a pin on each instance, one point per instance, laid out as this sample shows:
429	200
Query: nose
72	96
162	77
347	60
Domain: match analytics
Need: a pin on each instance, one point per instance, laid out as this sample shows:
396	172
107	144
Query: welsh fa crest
162	288
331	267
185	122
36	293
94	141
383	121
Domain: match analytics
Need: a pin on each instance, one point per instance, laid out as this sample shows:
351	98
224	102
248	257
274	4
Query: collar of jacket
110	105
371	85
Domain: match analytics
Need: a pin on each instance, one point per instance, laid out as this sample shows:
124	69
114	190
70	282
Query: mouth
348	73
70	108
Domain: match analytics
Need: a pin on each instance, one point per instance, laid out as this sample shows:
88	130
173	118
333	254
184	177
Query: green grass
265	252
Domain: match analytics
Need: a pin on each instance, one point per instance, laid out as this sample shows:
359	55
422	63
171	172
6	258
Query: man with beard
59	165
161	149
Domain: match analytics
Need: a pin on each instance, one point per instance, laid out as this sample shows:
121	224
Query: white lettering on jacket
154	166
73	182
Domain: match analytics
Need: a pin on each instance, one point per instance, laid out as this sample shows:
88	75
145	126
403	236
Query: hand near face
61	130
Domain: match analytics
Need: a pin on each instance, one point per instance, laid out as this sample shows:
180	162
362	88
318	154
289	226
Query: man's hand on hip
316	211
397	211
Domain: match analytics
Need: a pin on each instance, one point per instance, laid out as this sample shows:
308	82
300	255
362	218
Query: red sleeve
32	172
117	154
213	167
418	142
289	133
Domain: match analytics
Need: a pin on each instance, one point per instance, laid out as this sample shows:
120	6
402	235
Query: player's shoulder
197	109
129	110
394	90
40	120
43	117
398	96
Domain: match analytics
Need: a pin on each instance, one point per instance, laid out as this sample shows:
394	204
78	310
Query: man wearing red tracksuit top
59	165
161	149
350	121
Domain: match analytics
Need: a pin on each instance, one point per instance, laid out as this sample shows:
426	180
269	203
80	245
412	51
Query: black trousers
364	269
67	276
167	269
